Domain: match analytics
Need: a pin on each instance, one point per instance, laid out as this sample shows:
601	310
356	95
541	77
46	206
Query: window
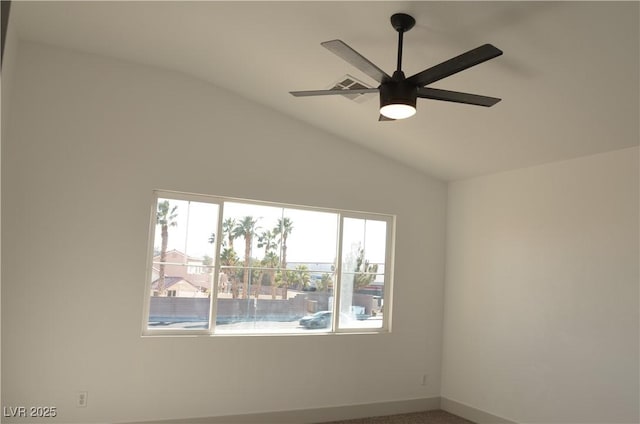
228	266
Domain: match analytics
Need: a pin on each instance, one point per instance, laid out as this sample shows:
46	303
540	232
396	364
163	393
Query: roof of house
156	258
170	281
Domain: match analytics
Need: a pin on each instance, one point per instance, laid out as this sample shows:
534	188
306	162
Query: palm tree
165	218
246	229
267	240
271	260
282	230
300	277
325	281
227	228
229	258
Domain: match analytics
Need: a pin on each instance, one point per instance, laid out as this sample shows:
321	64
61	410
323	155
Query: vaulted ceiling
568	78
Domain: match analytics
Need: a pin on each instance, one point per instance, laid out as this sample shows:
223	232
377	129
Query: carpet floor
426	417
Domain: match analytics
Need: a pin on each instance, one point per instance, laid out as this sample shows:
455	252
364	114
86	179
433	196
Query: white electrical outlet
81	399
425	378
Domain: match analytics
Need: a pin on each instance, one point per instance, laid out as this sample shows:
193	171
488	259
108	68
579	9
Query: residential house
192	270
177	287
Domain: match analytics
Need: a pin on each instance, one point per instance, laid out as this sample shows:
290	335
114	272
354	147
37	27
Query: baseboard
470	413
317	415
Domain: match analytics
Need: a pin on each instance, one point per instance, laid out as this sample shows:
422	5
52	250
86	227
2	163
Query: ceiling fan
398	94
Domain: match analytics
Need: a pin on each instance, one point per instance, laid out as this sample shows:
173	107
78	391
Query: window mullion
186	235
388	274
338	279
213	305
149	273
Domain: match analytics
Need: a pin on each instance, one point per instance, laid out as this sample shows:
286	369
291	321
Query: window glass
276	268
183	264
362	273
223	266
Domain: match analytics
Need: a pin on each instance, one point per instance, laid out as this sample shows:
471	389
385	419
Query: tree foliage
274	243
246	229
299	277
282	230
166	217
365	273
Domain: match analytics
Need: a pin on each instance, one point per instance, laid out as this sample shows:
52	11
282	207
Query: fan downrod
402	22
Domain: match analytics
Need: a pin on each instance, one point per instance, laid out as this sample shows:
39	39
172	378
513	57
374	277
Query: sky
312	240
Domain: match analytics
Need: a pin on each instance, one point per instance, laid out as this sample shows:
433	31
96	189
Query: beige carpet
427	417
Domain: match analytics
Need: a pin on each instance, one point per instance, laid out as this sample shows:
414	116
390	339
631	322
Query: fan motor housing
398	93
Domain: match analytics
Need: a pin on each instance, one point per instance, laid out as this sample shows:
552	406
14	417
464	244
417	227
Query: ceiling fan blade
455	65
341	49
456	96
340	91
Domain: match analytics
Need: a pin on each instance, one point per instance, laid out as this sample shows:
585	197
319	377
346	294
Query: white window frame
219	201
388	271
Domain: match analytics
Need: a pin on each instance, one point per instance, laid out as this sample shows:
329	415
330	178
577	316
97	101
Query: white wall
541	299
6	79
90	138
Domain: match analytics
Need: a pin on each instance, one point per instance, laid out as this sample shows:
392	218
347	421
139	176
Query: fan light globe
398	111
398	99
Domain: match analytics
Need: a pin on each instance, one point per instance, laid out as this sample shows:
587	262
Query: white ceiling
568	78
